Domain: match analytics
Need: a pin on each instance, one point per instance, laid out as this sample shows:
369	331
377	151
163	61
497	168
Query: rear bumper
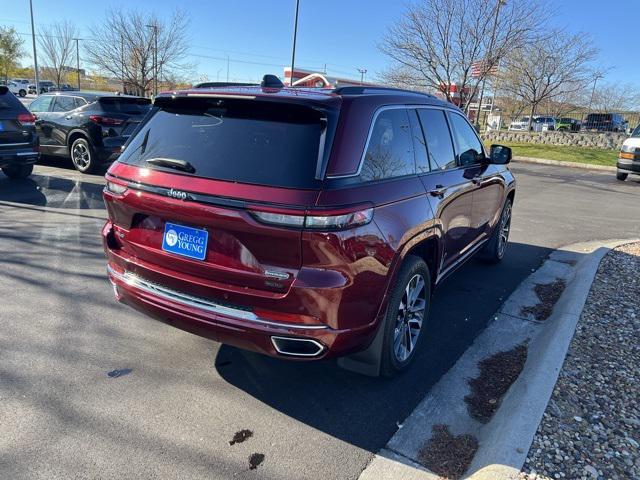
628	166
18	156
233	326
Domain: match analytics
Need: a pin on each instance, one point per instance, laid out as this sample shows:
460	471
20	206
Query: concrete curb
544	161
505	441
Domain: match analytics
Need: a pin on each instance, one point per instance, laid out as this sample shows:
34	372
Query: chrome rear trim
201	303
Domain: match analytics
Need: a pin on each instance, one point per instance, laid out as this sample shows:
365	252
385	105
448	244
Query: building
308	78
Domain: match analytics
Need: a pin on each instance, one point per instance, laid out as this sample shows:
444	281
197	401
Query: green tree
10	50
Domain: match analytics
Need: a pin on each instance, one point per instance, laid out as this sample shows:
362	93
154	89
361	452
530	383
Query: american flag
481	67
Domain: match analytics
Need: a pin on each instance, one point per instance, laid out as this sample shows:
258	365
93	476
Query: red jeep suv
302	223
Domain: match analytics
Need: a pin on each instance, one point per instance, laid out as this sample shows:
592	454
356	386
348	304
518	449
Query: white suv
19	89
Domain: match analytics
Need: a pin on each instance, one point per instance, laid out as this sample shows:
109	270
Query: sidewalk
591	428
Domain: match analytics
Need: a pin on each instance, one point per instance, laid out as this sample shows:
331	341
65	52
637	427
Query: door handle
68	117
439	191
477	180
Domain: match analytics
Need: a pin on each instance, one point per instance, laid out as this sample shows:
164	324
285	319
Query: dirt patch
241	436
548	294
447	455
497	373
255	459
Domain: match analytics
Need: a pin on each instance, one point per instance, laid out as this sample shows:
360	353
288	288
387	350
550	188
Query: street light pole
35	56
362	71
155	58
593	92
295	35
78	60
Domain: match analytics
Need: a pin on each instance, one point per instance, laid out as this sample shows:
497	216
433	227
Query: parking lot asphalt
90	388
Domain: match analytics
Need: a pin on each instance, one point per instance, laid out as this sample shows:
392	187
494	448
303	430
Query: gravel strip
591	428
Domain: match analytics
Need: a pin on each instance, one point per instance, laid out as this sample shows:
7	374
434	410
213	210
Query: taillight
106	121
338	219
27	119
116	188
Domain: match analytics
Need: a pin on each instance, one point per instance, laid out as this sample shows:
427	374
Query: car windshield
264	143
636	132
598	117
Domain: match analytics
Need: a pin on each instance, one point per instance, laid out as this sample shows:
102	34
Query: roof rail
361	90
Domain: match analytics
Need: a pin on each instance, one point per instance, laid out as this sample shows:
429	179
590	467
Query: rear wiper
172	163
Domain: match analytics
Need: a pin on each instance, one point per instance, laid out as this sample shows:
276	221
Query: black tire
621	176
398	330
83	156
494	250
18	171
22	92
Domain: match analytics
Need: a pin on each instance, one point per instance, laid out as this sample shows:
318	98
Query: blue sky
344	34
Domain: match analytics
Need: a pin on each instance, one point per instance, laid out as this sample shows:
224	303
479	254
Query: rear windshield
130	106
8	102
246	141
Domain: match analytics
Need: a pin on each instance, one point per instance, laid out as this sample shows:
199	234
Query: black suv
18	139
89	127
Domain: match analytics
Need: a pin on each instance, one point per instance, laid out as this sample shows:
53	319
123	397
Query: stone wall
607	140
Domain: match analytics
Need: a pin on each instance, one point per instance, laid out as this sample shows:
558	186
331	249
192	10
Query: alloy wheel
410	318
81	156
505	227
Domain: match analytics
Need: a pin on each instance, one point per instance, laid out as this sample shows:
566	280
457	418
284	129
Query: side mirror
500	155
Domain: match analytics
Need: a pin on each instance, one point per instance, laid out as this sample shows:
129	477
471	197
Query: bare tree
438	42
126	45
616	97
57	47
10	50
553	67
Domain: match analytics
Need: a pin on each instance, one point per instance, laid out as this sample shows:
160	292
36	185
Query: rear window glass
246	141
9	102
130	106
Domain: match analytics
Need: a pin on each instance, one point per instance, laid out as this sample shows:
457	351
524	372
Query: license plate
185	241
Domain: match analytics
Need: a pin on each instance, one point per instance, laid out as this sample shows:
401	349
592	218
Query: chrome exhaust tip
297	347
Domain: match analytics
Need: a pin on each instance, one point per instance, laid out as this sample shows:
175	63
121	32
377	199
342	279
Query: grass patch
592	156
497	373
446	455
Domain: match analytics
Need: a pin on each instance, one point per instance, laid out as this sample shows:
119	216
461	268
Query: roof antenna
271	81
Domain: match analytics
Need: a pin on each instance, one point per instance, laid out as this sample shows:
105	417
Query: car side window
390	148
63	104
438	137
419	144
41	104
79	102
470	149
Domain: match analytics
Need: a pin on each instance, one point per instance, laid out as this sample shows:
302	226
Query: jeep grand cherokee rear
296	223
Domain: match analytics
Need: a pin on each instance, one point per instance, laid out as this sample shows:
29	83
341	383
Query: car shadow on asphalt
365	411
50	191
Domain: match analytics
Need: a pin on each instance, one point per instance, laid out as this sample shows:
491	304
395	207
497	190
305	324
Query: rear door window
246	141
63	104
439	143
470	149
390	147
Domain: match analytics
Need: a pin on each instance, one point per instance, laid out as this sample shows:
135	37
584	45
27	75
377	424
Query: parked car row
594	122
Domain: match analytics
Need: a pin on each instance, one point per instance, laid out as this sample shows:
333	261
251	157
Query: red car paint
331	285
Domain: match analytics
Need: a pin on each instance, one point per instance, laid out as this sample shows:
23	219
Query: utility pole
593	91
362	71
35	56
499	4
228	62
295	35
124	88
78	60
155	58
